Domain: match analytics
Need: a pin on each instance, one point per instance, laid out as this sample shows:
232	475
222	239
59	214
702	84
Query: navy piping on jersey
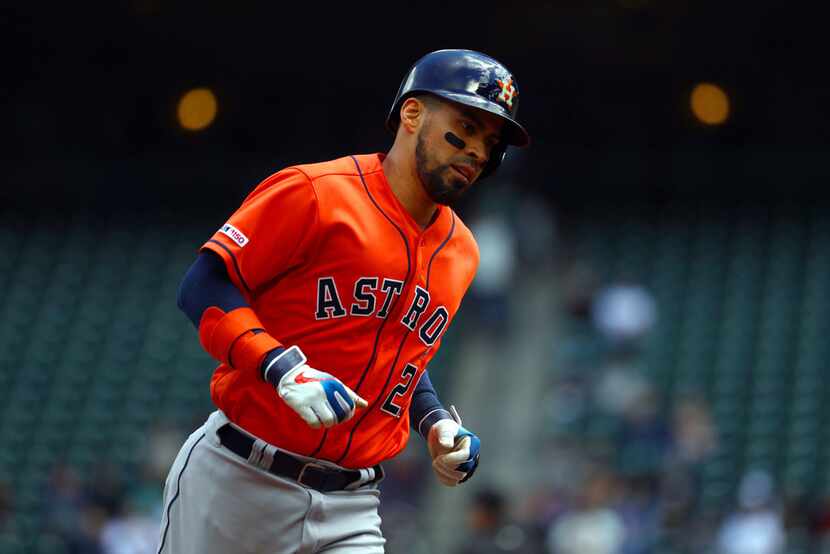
440	246
394	302
178	490
235	265
400	346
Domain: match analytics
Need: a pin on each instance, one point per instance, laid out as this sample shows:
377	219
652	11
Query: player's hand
454	451
318	397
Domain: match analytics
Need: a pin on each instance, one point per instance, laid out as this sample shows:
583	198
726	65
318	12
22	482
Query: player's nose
477	152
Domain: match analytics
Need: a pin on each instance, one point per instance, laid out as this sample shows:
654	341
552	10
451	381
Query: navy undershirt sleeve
425	408
207	284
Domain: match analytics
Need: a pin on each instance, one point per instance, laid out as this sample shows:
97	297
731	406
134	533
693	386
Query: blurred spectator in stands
6	507
681	520
796	510
645	439
491	287
756	527
489	531
693	431
404	477
578	349
69	515
820	524
536	236
639	508
130	529
565	462
135	508
621	387
693	441
580	283
106	489
624	313
538	508
566	404
592	526
401	493
163	444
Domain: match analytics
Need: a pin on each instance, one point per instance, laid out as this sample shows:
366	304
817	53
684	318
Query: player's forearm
426	409
228	328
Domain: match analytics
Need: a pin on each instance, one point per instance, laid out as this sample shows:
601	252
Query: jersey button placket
420	253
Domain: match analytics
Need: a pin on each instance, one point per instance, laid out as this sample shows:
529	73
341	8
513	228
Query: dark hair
429	100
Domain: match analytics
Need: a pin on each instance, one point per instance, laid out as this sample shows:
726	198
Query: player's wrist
430	419
279	362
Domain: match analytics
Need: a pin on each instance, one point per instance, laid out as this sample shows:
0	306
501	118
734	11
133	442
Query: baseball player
324	297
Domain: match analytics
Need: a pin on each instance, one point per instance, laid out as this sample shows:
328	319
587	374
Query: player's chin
448	197
456	181
444	187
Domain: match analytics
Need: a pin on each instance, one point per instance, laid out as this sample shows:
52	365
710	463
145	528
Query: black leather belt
310	474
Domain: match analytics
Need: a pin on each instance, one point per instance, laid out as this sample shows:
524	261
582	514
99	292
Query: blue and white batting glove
317	397
454	451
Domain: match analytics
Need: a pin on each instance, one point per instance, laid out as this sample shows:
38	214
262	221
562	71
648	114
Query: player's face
447	171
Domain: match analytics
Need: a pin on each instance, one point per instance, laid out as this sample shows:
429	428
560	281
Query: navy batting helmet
470	78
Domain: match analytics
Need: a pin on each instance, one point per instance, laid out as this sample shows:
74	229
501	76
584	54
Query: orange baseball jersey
331	261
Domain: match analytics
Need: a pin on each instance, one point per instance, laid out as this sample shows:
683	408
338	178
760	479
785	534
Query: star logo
508	91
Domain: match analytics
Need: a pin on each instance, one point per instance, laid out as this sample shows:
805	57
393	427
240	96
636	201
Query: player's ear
412	114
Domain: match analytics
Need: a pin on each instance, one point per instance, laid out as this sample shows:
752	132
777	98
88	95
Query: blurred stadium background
644	352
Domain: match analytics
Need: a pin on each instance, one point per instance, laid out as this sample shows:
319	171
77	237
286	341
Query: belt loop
367	475
267	457
258	455
215	421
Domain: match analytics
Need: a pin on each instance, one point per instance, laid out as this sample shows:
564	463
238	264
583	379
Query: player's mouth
466	172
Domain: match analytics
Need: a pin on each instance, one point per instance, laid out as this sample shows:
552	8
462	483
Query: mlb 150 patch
235	234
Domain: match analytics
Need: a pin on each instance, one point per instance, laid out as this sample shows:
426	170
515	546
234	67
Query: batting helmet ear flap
497	155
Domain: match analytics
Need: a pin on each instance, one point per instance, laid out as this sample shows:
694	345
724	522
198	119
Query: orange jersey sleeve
271	232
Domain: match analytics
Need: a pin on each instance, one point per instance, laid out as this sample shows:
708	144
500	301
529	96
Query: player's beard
437	186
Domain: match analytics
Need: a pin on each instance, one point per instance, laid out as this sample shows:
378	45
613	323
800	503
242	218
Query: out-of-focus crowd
620	462
112	510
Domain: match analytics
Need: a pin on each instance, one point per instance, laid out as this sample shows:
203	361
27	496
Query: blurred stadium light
197	109
710	104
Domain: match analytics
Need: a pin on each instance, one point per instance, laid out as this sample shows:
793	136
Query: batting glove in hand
317	397
454	451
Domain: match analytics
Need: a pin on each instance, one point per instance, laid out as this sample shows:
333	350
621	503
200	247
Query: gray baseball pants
215	502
